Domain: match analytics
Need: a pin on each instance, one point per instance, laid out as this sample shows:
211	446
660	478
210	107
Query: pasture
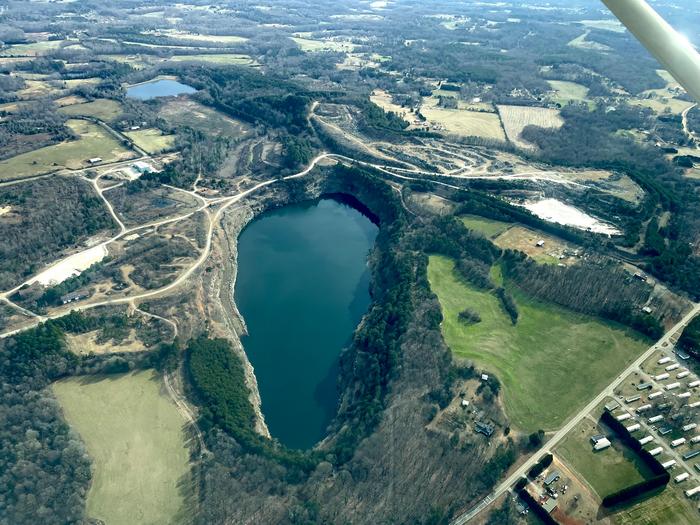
93	141
33	49
226	59
659	101
151	140
488	227
465	123
517	118
134	436
187	112
207	39
103	109
565	92
606	471
312	46
548	363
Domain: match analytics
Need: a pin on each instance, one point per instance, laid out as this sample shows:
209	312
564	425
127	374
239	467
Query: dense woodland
602	289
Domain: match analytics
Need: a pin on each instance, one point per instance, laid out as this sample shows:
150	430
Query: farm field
516	118
309	45
488	227
93	141
565	92
195	37
606	471
33	49
466	123
659	103
548	363
102	109
39	88
134	436
223	59
187	112
151	140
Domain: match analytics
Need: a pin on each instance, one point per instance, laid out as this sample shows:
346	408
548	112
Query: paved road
561	433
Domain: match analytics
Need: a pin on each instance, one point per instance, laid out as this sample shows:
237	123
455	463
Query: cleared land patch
33	49
384	100
565	92
93	142
134	435
187	112
554	251
151	140
517	118
606	471
196	37
102	109
465	123
659	102
548	363
488	227
84	344
312	46
669	507
223	58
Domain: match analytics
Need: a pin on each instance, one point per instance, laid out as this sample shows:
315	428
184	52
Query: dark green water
302	288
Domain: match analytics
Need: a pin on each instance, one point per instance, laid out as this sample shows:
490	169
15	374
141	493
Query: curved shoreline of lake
162	87
302	288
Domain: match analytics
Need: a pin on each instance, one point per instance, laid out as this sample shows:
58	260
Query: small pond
159	88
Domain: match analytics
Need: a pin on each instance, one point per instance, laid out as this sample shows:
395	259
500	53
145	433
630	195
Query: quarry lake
302	288
159	88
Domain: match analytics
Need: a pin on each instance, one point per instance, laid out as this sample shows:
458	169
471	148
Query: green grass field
152	140
669	507
134	437
103	109
550	363
93	142
608	470
489	228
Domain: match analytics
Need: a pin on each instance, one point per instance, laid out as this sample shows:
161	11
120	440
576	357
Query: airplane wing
675	53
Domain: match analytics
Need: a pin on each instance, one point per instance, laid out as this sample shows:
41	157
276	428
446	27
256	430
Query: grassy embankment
134	435
550	363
